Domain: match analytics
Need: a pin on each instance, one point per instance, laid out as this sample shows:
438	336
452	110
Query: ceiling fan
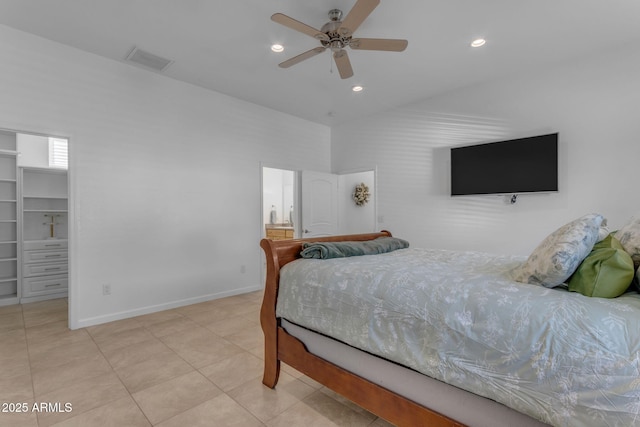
337	34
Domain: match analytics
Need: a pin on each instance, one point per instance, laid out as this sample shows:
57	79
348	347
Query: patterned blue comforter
560	357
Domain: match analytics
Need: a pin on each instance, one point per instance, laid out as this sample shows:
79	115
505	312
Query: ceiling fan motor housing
336	41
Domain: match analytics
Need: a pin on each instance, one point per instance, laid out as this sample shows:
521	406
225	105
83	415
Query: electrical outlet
106	289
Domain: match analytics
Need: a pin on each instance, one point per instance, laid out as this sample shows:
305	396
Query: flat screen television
515	166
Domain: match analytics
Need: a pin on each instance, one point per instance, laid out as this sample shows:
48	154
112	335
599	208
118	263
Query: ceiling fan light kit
337	34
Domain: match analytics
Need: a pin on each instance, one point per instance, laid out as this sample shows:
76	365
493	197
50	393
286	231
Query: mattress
458	317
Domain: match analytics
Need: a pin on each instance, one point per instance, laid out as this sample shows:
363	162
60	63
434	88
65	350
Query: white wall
33	149
593	104
8	141
165	176
353	218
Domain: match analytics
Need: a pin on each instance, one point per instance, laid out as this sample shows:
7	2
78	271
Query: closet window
58	157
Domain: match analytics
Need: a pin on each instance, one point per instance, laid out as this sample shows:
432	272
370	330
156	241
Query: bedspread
560	357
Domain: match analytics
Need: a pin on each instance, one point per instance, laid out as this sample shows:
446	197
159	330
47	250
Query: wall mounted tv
515	166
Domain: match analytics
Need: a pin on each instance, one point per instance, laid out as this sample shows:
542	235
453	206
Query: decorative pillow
629	236
560	253
607	272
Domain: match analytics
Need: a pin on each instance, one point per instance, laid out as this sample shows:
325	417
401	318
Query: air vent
148	60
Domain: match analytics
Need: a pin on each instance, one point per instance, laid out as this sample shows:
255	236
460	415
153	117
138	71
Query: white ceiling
225	45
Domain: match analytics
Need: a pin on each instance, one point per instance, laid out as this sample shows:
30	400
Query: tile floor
198	365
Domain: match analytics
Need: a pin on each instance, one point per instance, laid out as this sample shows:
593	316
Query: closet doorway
34	217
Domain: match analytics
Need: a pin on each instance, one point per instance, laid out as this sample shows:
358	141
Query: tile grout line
119	379
181	358
207	378
159	338
26	340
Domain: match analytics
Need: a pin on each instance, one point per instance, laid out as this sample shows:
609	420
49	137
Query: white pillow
560	253
629	236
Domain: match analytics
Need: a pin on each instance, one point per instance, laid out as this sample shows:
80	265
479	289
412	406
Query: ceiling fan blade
343	64
356	16
393	45
299	58
299	26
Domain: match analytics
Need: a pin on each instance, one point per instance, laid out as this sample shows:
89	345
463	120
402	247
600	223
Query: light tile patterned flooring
198	365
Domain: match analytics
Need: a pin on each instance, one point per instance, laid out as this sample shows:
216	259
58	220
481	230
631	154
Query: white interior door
319	204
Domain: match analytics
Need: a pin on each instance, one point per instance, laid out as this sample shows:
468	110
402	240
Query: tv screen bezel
514	141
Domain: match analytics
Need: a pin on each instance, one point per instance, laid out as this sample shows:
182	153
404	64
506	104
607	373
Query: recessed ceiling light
478	42
357	88
277	47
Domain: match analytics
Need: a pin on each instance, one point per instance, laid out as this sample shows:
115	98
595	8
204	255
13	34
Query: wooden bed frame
280	346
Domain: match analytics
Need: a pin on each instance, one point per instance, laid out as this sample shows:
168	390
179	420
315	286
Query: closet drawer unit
45	245
48	284
45	269
44	256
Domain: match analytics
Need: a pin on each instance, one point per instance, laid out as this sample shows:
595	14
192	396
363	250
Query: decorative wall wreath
361	194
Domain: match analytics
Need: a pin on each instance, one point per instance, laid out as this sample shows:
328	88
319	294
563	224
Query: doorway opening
279	208
34	217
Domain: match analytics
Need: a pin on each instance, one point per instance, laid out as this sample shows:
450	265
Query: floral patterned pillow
560	253
629	236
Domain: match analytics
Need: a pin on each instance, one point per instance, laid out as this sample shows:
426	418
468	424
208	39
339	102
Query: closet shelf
9	220
35	196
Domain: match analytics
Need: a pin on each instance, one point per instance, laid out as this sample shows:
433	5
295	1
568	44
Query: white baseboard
92	321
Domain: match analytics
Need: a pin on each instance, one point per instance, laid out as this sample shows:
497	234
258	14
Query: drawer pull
53	245
51	285
51	269
52	256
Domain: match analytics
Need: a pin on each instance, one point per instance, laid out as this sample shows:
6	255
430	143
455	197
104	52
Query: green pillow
607	272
